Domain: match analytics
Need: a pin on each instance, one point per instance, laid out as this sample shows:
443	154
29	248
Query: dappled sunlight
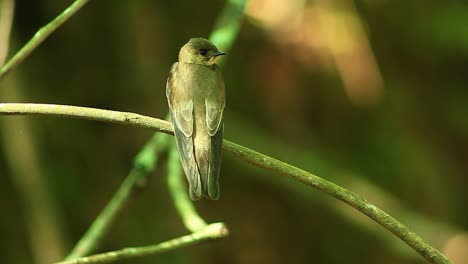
456	248
323	33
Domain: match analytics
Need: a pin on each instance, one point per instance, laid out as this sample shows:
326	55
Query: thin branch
212	231
228	24
251	156
340	193
192	220
145	162
40	36
87	113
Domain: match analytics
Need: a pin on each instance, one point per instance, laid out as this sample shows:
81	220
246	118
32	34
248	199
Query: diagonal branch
145	162
228	24
40	36
354	200
417	243
212	231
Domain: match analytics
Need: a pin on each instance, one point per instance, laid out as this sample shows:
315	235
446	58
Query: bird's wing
183	122
214	116
214	107
215	163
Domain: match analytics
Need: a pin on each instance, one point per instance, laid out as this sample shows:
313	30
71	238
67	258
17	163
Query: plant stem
253	157
212	231
40	36
145	162
228	24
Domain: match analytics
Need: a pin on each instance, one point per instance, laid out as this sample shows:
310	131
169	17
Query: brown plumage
196	97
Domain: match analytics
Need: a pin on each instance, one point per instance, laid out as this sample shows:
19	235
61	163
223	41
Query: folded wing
183	123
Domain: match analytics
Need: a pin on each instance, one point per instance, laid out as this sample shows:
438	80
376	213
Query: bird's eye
202	52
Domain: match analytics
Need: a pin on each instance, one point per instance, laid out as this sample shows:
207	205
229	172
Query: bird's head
199	51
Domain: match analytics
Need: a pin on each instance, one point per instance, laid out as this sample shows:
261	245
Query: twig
212	231
253	157
40	36
191	219
145	162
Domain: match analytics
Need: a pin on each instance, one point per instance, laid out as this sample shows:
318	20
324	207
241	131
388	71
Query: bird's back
196	100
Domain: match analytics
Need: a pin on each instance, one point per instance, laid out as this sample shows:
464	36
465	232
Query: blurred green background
371	95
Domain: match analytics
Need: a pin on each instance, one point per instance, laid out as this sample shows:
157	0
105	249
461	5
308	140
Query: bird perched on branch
196	97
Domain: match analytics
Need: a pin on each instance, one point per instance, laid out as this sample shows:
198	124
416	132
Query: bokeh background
371	95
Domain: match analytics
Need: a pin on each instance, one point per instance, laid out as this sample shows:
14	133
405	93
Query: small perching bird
196	97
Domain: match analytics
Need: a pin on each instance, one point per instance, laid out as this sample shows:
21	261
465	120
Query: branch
340	193
145	162
251	156
40	36
212	231
86	113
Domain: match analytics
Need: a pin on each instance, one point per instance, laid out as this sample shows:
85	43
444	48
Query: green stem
212	231
401	231
228	24
191	219
40	36
86	113
253	157
145	162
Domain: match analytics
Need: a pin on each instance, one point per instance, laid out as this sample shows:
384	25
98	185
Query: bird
196	97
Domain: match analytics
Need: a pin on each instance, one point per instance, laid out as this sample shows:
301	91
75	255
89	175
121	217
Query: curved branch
354	200
212	231
251	156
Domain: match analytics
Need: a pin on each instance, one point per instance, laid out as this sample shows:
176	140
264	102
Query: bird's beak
219	53
215	55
